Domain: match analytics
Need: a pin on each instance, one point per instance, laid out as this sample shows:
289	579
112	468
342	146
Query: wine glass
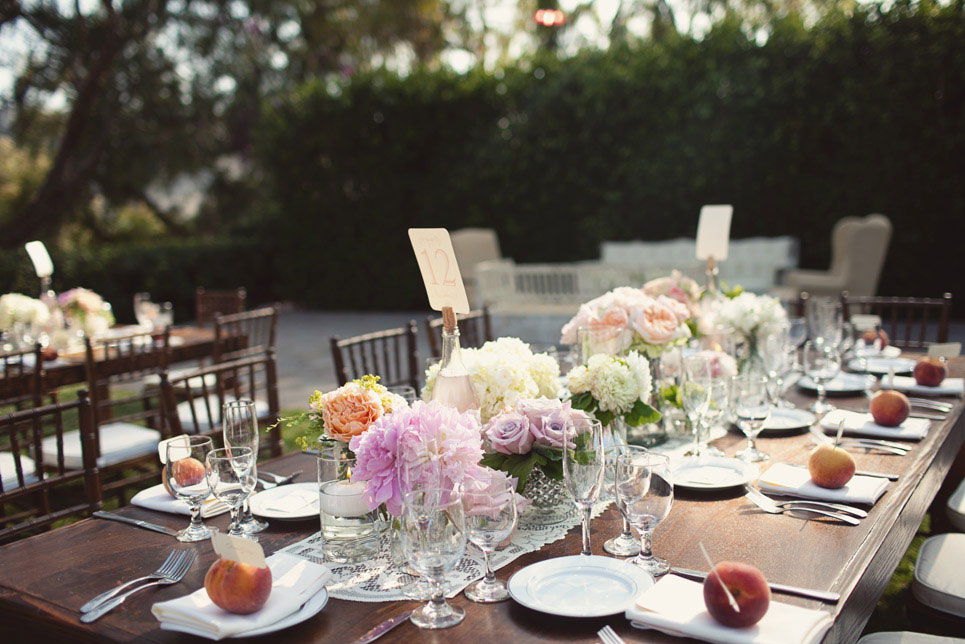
624	545
695	393
239	423
434	539
752	407
772	341
697	366
406	392
822	363
491	516
231	478
845	338
824	319
644	496
418	468
797	333
583	465
184	472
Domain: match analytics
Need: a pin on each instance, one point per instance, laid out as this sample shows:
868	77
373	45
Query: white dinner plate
291	502
579	586
843	383
308	610
881	365
784	418
711	472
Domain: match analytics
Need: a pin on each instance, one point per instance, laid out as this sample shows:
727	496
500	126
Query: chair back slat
239	335
22	383
475	330
208	304
907	320
389	354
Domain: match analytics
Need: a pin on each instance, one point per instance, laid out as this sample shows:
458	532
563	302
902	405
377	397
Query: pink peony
350	410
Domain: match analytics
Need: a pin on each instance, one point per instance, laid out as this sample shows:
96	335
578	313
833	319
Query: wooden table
44	579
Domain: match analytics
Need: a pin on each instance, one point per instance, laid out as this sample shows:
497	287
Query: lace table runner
378	580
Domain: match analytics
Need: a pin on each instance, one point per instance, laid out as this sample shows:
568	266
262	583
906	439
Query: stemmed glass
419	470
644	496
773	342
584	462
695	393
845	338
824	320
752	407
624	545
797	333
185	474
491	516
434	539
240	428
822	363
231	478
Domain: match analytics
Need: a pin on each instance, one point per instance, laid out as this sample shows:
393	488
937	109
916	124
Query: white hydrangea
749	313
615	382
15	307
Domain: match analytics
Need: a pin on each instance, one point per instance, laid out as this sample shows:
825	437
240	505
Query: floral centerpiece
611	387
748	315
503	372
628	318
86	311
17	309
681	288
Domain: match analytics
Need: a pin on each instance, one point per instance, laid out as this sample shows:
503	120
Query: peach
830	466
236	587
869	337
187	471
165	482
749	588
890	408
929	372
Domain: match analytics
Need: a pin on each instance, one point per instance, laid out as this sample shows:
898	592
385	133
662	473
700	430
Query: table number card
238	549
40	258
440	272
713	232
945	350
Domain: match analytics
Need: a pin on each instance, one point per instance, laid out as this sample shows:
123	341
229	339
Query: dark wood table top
44	579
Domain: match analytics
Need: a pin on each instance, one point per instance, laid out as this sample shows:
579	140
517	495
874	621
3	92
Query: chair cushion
119	442
939	582
201	410
906	637
8	470
956	507
208	380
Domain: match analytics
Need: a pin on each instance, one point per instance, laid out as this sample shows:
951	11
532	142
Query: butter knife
820	595
141	524
383	628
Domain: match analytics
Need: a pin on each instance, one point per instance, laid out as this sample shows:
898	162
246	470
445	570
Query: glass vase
651	434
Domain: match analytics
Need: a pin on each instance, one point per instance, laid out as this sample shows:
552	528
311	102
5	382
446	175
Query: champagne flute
491	516
695	394
231	479
240	428
752	406
434	540
822	363
583	467
184	472
645	494
624	545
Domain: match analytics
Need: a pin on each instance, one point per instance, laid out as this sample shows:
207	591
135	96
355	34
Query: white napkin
676	606
294	582
782	478
157	498
949	386
297	500
913	429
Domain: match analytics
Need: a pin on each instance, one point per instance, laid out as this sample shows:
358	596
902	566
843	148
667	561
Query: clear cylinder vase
651	434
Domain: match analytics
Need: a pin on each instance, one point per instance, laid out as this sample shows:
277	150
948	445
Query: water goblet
822	363
230	477
824	319
418	469
752	405
434	539
772	341
240	429
491	515
697	366
184	471
584	461
625	544
644	495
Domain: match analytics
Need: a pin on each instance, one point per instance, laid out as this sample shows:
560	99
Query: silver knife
383	628
877	475
141	524
820	595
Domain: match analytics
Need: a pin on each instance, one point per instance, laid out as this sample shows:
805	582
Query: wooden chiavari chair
240	335
21	378
390	354
906	320
208	304
475	329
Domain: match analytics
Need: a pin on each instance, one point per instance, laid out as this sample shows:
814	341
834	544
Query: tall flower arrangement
86	310
748	314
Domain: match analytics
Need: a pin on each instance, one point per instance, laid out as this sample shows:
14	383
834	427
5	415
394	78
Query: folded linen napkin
294	582
783	478
913	429
949	386
676	606
157	498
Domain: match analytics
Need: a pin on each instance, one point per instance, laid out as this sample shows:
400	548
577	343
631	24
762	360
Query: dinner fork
609	636
770	506
835	507
185	561
165	569
933	404
869	443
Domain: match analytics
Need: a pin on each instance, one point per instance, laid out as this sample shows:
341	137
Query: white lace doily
378	580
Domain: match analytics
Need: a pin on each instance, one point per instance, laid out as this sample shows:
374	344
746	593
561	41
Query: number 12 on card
440	271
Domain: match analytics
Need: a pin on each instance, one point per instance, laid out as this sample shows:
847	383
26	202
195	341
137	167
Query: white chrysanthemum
579	380
614	387
640	369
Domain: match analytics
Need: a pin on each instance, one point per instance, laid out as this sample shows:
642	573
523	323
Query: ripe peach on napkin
236	587
748	587
889	408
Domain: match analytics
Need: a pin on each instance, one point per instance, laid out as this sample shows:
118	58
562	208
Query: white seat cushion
208	380
8	470
119	442
213	404
939	582
956	507
906	637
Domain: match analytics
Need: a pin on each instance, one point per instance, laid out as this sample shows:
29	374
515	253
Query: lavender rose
536	408
510	433
550	430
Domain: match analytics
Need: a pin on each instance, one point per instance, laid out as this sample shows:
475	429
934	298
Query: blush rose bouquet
86	310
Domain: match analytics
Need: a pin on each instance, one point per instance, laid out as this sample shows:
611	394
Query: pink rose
655	322
679	309
582	318
350	410
509	433
486	491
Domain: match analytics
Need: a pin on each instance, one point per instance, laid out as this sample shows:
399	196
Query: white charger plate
843	383
579	586
308	610
784	418
711	472
262	504
881	365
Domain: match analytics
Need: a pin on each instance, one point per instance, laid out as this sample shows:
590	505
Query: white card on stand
238	549
945	350
440	271
713	232
40	258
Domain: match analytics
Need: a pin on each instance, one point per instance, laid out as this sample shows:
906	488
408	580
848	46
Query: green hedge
862	113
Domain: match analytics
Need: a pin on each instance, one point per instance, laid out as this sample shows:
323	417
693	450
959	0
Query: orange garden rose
349	411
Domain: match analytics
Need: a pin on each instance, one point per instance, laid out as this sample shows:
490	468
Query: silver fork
933	404
609	636
836	507
165	569
771	507
185	561
869	443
